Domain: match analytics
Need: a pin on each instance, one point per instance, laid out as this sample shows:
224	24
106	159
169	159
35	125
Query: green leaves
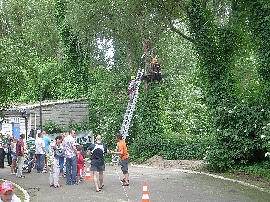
213	103
52	127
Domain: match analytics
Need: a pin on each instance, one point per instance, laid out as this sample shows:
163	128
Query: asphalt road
162	185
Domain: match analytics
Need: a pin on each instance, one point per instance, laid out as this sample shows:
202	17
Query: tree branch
180	33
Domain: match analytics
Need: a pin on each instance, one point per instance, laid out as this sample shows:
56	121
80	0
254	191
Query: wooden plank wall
62	113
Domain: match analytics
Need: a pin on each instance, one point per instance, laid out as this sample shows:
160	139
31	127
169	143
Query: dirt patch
161	163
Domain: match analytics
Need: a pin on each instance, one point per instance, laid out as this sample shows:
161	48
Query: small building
29	118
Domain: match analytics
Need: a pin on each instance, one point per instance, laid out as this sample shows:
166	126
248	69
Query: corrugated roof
43	103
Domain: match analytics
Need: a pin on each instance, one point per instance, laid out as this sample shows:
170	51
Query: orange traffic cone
87	174
145	197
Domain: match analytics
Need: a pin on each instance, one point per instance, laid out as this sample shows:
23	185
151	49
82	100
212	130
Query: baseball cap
6	186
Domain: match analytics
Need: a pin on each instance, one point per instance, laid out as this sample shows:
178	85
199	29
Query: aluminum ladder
129	113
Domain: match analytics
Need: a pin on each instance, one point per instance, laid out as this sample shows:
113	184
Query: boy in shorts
124	156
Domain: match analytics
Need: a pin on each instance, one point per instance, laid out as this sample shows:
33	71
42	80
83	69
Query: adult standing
2	153
9	158
40	153
55	152
156	70
47	141
97	162
20	155
124	156
71	158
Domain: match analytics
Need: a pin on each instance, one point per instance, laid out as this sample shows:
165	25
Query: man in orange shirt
124	156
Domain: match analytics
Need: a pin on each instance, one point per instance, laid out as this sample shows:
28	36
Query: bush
52	127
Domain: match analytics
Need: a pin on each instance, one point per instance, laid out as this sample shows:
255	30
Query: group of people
75	160
97	151
52	155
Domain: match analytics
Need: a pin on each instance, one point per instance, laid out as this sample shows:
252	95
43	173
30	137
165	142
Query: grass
257	175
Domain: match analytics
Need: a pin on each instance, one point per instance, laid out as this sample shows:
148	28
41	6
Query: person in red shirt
124	156
20	155
80	163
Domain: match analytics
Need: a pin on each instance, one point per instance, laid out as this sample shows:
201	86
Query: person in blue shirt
47	141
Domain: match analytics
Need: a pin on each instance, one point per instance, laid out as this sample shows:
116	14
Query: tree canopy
214	102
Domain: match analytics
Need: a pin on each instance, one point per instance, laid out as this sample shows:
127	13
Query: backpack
59	153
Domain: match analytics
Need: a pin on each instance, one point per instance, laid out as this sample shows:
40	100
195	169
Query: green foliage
259	16
237	140
52	127
157	131
258	169
83	126
236	117
214	102
12	68
265	137
108	97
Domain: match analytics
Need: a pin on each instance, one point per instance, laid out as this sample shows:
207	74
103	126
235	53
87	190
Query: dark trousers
40	162
61	162
9	159
2	157
71	170
158	76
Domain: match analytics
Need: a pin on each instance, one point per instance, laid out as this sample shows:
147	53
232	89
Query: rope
120	181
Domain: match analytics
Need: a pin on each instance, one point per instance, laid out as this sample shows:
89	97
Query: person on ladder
156	70
132	88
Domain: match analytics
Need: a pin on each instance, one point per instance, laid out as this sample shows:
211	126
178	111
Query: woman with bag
55	153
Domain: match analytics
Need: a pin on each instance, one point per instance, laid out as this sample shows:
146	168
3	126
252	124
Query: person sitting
156	70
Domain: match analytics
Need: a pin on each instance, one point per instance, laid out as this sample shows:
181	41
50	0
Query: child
7	192
80	163
13	156
132	88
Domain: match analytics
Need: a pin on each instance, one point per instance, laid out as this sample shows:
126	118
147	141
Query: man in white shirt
40	153
71	158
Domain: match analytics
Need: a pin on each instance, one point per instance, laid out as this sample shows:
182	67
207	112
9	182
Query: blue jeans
40	161
71	170
61	163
